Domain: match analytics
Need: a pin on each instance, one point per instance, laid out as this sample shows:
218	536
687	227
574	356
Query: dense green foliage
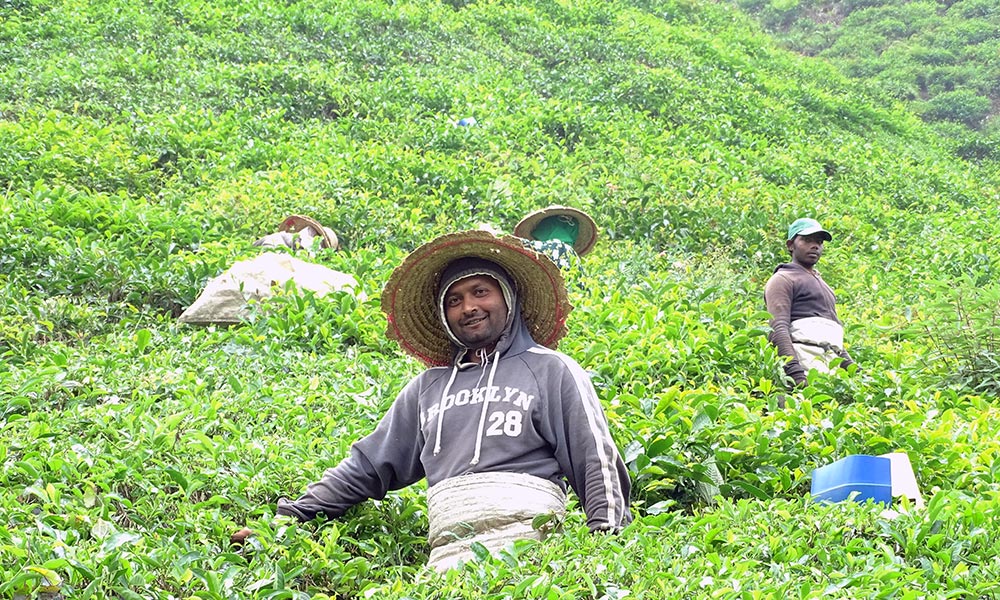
145	145
940	56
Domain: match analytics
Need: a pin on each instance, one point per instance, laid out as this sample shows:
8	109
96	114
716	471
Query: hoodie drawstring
454	372
484	359
444	394
486	403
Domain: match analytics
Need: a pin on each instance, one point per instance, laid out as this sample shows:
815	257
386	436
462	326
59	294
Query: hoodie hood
514	327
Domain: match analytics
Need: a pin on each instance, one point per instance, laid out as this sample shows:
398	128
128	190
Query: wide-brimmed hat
409	297
585	239
295	223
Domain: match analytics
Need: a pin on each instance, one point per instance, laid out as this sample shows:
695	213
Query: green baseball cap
807	227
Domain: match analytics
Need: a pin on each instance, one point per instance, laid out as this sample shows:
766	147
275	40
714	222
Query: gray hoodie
527	409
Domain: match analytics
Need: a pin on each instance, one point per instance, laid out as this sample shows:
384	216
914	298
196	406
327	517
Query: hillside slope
940	57
144	146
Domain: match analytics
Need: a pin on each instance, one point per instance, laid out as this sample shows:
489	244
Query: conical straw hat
585	240
408	299
296	223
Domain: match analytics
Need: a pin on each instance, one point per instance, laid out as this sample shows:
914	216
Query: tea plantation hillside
145	145
940	57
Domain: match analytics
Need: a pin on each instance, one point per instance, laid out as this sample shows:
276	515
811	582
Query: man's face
806	249
476	311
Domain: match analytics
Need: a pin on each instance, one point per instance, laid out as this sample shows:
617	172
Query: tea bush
940	59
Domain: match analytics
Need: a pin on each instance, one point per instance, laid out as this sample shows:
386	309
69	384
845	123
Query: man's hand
795	371
845	364
240	536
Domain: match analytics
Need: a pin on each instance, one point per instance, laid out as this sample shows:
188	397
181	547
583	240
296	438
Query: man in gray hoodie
499	423
804	323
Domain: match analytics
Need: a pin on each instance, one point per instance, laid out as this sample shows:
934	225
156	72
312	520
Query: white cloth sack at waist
493	509
224	299
816	342
818	331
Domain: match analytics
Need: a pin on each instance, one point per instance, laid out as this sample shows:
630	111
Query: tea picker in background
804	324
298	231
226	299
499	422
559	232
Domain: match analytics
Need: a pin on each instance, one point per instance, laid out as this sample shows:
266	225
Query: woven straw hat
296	223
588	228
408	299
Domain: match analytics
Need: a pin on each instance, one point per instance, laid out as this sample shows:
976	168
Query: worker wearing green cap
804	323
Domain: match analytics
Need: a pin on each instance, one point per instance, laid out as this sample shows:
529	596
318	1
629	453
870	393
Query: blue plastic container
870	476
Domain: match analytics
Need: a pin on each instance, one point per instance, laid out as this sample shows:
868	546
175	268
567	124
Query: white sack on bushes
224	299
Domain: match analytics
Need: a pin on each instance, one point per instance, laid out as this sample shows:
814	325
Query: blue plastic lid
869	476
